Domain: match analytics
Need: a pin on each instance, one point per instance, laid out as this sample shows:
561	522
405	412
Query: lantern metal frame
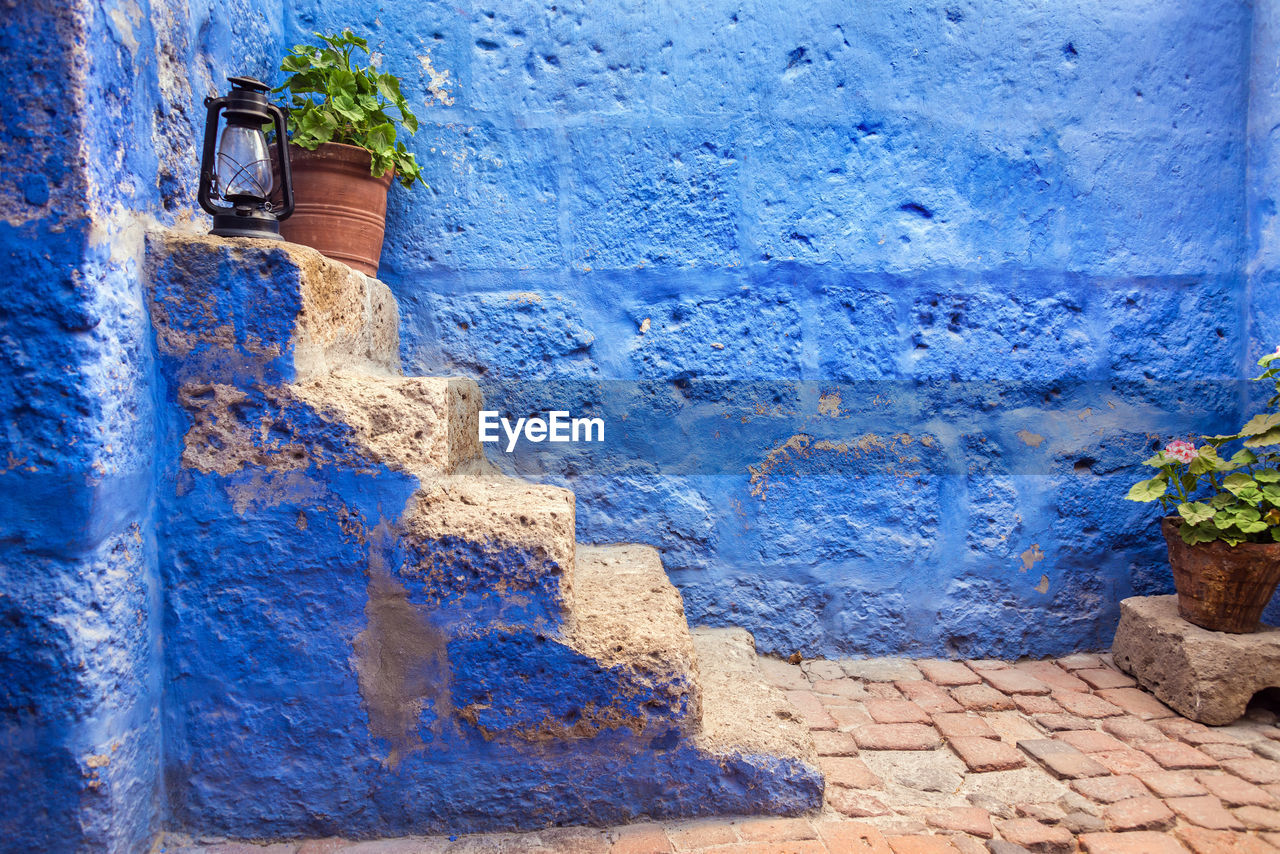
246	106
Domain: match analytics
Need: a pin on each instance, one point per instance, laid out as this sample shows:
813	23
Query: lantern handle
214	107
286	174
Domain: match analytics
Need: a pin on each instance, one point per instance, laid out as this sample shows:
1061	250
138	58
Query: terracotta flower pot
1220	587
339	208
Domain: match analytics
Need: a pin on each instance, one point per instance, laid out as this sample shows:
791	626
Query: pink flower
1183	452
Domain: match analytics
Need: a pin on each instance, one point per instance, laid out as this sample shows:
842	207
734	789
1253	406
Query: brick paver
897	737
1193	732
1036	836
947	673
1221	751
972	820
1204	811
1104	677
1202	841
849	689
1062	722
1175	755
1260	771
1086	705
1052	675
896	712
981	698
1140	842
1107	790
1132	731
1062	760
1014	681
1035	704
1259	818
934	699
1137	702
1138	814
954	725
1090	740
835	743
812	710
1233	791
848	771
986	754
978	757
1174	784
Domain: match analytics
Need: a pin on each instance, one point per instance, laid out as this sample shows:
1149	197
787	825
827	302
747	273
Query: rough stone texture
759	219
465	653
1261	247
97	143
1206	676
627	614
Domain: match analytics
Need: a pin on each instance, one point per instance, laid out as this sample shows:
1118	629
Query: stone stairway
449	657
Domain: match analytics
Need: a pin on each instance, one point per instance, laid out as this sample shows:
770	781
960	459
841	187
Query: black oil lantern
236	186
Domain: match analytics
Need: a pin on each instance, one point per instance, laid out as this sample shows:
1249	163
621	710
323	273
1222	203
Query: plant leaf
1270	437
1243	458
1148	490
1259	424
1195	512
1237	482
1193	534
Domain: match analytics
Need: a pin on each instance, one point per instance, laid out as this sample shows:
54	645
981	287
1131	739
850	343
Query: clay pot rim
1174	521
342	152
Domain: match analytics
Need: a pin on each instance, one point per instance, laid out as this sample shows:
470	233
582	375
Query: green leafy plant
1235	499
330	100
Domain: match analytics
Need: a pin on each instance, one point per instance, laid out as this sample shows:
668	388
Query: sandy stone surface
1203	675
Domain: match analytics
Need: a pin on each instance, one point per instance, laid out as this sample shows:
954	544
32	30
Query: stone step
422	425
629	617
743	716
235	310
623	658
489	549
349	419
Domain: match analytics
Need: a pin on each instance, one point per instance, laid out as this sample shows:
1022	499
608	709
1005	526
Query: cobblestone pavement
977	756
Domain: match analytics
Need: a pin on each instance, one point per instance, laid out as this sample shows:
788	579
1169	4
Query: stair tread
496	508
626	611
741	712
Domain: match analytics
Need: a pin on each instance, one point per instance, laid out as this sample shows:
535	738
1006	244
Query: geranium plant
1235	499
332	100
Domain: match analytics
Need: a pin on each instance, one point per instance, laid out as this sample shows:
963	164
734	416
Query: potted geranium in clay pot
343	149
1224	538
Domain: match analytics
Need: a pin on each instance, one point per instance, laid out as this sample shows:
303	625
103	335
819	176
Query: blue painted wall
880	303
79	654
96	146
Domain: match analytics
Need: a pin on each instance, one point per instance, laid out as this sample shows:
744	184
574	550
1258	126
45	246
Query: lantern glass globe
244	164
